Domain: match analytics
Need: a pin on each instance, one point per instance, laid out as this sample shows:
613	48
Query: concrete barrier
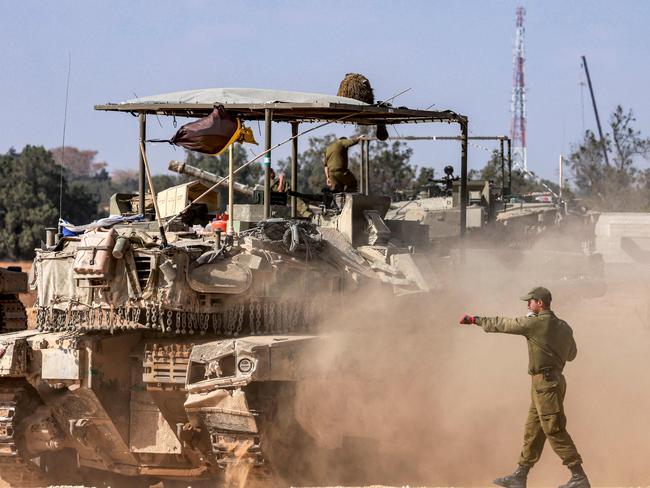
623	237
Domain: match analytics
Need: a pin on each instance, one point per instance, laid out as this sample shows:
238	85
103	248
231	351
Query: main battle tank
12	312
172	354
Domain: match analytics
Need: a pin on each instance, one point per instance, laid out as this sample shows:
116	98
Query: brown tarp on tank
209	135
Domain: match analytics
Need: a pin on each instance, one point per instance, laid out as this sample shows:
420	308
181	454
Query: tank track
14	469
13	316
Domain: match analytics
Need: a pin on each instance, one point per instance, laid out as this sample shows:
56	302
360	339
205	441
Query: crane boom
593	101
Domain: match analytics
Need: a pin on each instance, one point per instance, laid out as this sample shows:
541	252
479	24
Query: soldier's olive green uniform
336	160
550	345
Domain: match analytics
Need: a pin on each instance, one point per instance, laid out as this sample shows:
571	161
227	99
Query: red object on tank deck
219	225
220	222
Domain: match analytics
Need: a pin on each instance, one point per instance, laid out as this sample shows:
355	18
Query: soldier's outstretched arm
505	325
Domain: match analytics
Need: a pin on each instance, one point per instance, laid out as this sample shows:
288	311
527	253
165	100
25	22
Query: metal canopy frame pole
231	189
509	144
294	168
268	119
142	118
362	169
463	177
561	179
366	176
443	138
503	168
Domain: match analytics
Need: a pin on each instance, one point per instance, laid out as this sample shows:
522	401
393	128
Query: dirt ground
456	417
446	403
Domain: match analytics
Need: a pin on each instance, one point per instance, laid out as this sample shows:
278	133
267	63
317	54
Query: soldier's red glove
468	319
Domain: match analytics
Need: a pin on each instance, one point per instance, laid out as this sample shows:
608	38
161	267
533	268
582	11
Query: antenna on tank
65	122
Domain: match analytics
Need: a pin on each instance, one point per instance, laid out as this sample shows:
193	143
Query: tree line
37	186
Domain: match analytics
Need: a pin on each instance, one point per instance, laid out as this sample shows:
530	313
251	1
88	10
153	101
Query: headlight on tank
245	365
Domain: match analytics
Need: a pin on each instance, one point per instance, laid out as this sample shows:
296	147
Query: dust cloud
409	396
406	395
237	473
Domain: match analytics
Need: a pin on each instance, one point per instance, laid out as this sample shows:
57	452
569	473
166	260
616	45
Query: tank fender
220	410
236	362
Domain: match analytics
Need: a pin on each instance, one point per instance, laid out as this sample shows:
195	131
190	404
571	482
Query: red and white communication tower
518	103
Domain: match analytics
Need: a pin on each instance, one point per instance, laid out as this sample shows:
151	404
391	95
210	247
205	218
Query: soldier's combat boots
516	479
578	478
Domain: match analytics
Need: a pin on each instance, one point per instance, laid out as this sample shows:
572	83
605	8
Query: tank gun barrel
186	169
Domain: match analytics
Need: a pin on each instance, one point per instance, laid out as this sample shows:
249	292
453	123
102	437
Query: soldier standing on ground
339	177
550	345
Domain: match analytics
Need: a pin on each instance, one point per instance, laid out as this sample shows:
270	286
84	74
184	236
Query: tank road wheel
16	401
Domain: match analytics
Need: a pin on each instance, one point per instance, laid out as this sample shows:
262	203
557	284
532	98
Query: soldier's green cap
538	293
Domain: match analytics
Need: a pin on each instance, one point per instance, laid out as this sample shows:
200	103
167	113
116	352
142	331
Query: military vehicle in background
534	217
167	348
516	221
494	213
558	233
559	236
438	206
13	316
525	217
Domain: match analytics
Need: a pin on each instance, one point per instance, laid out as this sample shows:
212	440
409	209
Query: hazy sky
456	55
